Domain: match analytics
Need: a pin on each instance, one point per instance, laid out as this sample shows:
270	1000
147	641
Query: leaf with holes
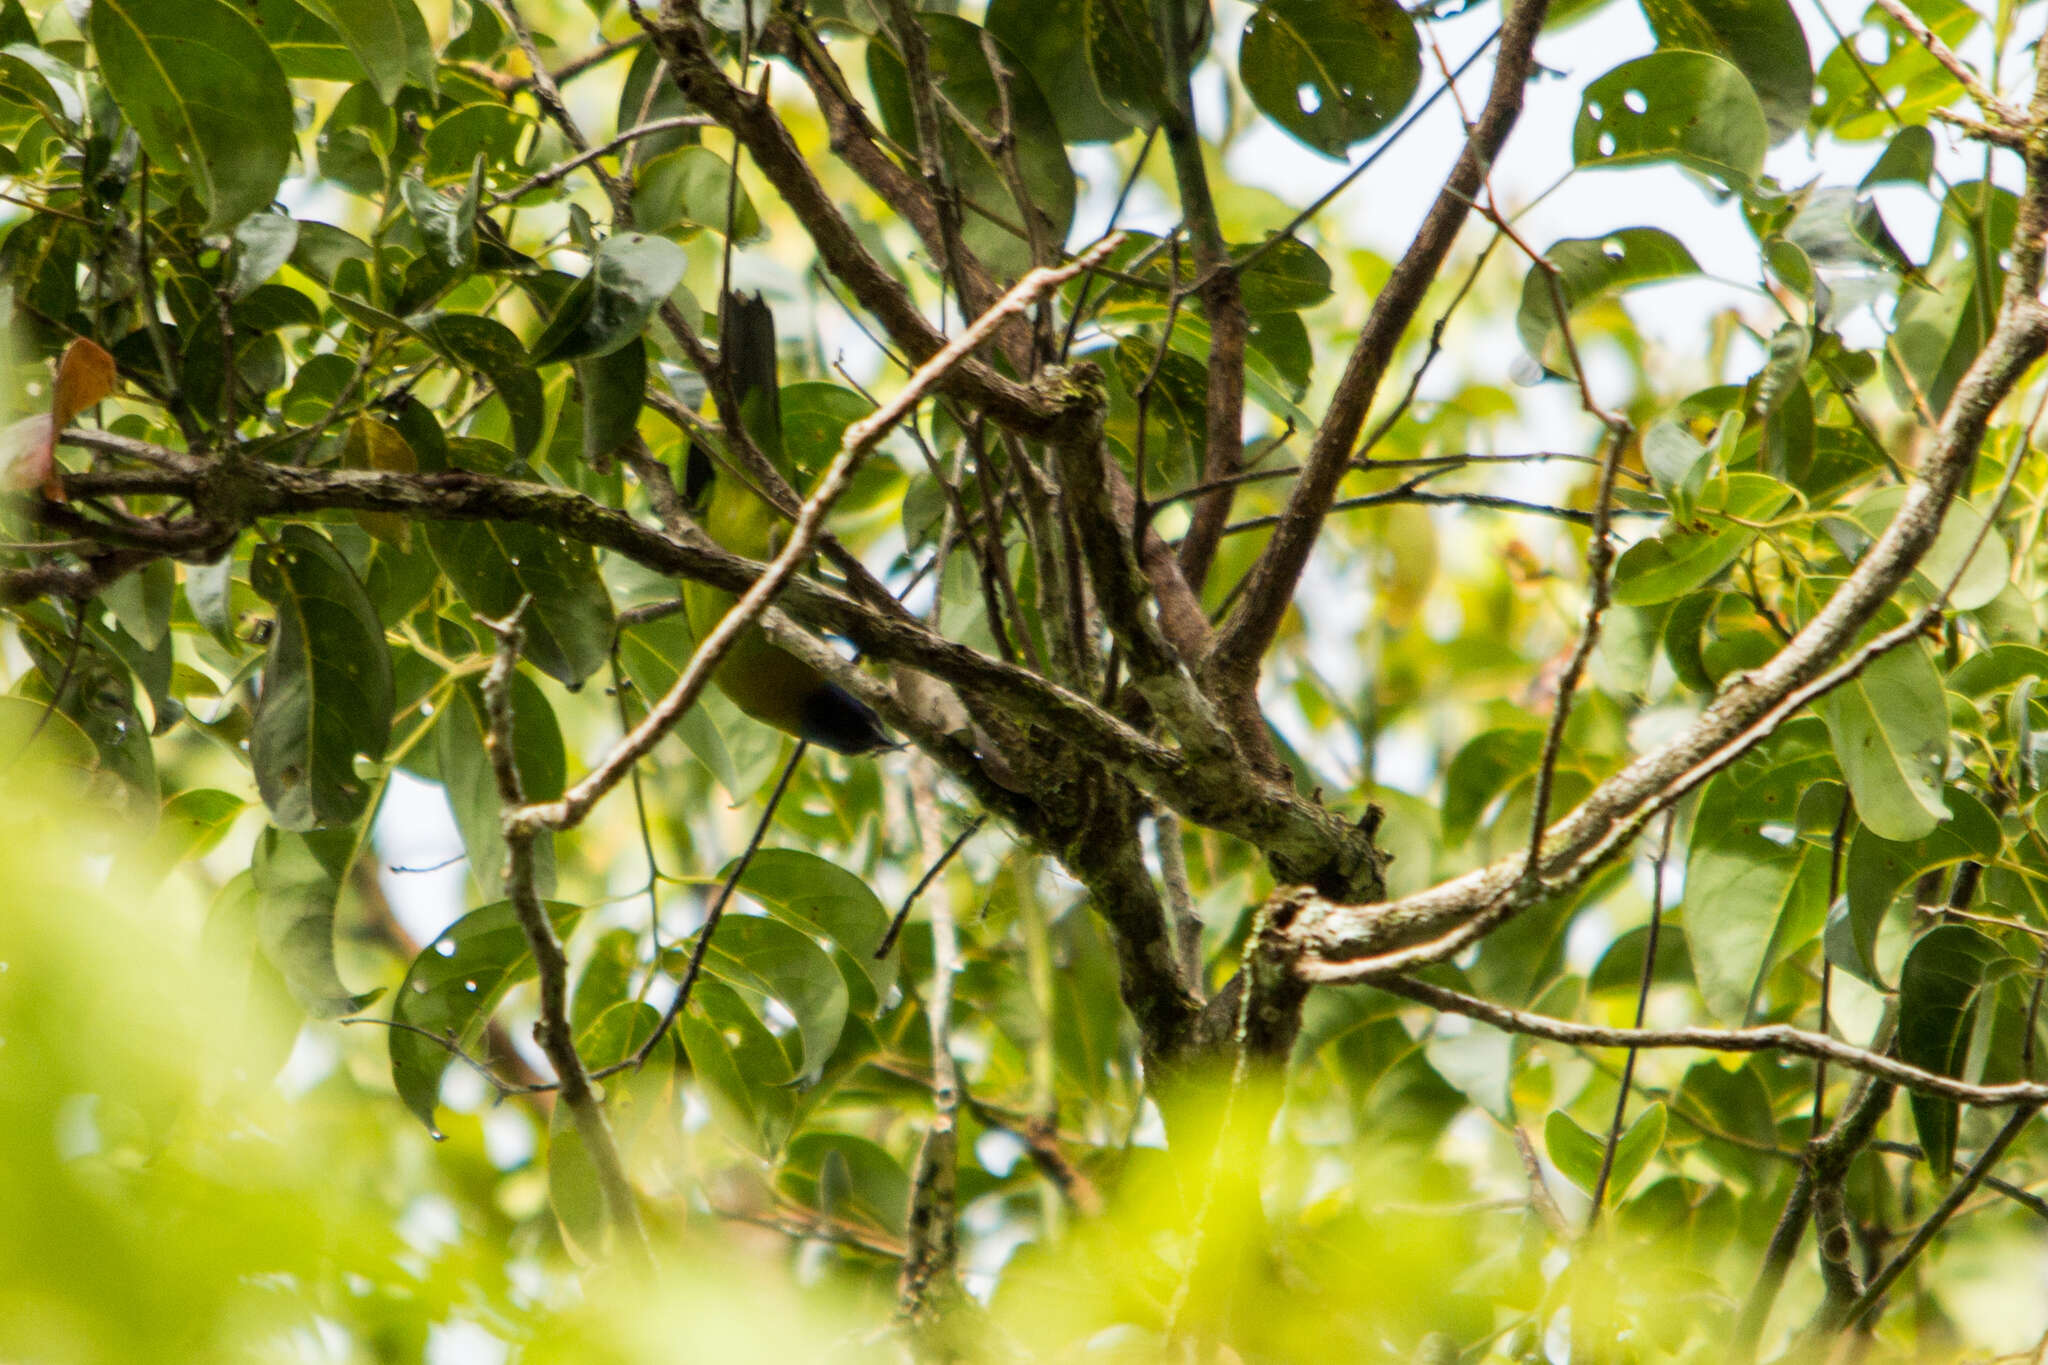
1331	72
202	90
1590	268
327	689
1762	38
450	991
1687	108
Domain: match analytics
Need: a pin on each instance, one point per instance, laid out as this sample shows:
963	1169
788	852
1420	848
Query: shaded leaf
451	990
327	689
299	877
1939	990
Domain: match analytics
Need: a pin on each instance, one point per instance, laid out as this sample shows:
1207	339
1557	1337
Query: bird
763	680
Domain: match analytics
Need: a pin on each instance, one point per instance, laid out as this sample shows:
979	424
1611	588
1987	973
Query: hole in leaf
1305	94
446	947
1606	144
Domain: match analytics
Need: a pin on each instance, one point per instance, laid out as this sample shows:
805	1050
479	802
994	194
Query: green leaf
447	226
740	1069
1682	558
1877	868
765	959
1939	989
845	1178
1331	72
202	90
821	898
494	564
1590	268
1123	49
575	1191
1760	37
1908	159
1965	545
463	763
1998	669
971	110
689	189
1041	33
32	78
1578	1153
614	387
306	46
263	243
450	992
1754	891
1482	770
489	347
1288	275
653	654
299	877
1687	108
388	37
1890	729
632	275
327	691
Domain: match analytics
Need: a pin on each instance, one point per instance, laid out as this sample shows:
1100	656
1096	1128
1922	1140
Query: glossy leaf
489	347
1579	1153
1041	33
1683	558
1754	890
740	1068
1877	869
689	189
462	758
1966	552
202	90
388	38
1590	268
327	688
765	959
821	898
